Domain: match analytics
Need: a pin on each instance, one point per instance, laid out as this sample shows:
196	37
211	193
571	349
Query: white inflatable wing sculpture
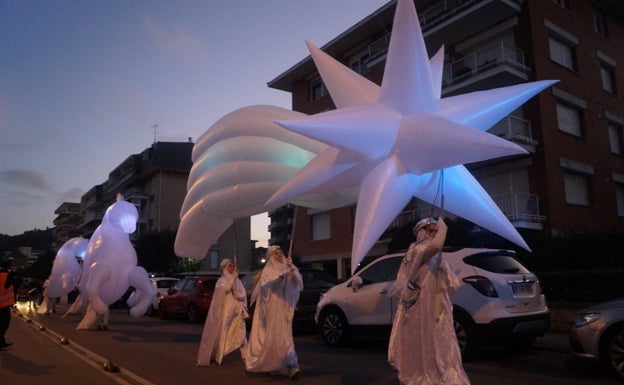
238	163
386	142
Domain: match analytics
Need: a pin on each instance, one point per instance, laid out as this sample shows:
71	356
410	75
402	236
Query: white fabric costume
423	346
271	344
224	329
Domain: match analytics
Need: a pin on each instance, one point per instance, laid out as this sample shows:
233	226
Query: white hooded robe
271	345
423	345
224	329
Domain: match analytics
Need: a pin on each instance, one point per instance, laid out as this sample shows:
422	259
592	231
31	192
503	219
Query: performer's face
278	256
230	267
431	230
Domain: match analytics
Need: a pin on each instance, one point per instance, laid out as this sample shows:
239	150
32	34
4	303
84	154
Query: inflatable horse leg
89	320
99	274
146	293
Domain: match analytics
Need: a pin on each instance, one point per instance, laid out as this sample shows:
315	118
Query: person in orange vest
7	300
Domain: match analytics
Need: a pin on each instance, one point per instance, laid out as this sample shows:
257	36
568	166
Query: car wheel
191	314
465	336
614	351
333	327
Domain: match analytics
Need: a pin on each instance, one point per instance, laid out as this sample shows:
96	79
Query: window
561	45
619	196
607	77
607	72
499	263
382	271
561	53
561	3
317	89
615	139
359	63
569	119
600	23
321	228
576	189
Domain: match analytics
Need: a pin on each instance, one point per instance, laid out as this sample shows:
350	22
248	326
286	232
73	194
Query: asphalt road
148	350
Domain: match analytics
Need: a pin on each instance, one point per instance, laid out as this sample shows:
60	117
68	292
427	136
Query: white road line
91	358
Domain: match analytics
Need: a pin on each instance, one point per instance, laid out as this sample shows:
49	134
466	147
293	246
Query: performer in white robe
271	344
224	329
423	345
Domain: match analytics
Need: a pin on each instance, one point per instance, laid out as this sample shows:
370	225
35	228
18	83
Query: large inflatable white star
402	140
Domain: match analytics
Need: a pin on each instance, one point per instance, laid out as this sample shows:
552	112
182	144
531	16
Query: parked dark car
315	283
189	298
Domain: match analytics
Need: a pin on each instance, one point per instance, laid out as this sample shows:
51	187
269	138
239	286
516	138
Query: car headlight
582	319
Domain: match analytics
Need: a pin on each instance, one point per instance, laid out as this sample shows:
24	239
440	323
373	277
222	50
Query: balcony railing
378	49
443	10
411	216
517	207
91	216
514	129
520	207
474	63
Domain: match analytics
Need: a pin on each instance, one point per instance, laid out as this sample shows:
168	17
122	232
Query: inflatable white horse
66	271
110	265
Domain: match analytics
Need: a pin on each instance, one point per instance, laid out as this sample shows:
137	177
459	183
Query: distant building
571	181
155	182
68	218
24	257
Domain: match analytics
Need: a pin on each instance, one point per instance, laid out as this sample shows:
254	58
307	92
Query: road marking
89	357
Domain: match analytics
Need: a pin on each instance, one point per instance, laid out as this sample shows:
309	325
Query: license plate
522	288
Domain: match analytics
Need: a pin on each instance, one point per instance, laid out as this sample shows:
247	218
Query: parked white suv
499	301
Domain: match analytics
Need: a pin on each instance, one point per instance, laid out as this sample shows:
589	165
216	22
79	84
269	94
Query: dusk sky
83	83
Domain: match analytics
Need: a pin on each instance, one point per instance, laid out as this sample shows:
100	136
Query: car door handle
384	291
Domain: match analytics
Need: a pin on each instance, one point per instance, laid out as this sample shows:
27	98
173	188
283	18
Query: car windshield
496	263
382	271
165	283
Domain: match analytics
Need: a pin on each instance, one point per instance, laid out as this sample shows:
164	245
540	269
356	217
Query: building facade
155	182
66	223
572	180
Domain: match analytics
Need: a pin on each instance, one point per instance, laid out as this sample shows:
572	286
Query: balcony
497	65
92	216
522	210
516	130
440	21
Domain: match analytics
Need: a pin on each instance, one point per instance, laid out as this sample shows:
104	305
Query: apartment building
155	182
66	223
571	181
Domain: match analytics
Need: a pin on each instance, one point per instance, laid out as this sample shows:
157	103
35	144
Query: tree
155	252
42	267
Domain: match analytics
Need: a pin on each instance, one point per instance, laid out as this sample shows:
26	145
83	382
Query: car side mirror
356	283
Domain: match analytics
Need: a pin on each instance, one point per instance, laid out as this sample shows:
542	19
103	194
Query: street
149	350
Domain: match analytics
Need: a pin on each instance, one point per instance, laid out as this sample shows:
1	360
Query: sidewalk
37	357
